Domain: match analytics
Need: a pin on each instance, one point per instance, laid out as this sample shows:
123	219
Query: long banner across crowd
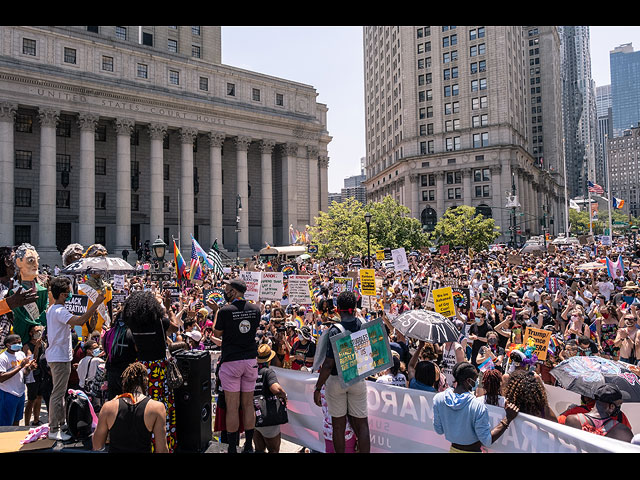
401	421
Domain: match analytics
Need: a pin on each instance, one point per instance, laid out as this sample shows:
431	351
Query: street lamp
159	249
238	210
367	220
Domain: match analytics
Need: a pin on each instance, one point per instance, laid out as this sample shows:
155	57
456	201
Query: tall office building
119	134
579	109
625	88
624	155
449	121
605	131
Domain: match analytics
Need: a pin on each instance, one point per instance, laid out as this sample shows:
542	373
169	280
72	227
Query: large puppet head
96	250
72	253
26	262
7	268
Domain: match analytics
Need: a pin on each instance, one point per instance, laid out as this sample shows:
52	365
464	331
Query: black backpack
79	418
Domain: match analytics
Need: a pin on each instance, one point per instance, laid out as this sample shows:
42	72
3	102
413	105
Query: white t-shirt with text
8	361
59	334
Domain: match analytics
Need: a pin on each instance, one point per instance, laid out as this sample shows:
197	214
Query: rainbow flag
553	345
592	330
181	267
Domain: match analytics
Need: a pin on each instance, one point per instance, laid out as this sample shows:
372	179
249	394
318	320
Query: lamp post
367	220
238	210
159	249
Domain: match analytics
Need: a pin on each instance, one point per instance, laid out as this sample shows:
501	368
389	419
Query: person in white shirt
60	353
88	366
14	366
605	287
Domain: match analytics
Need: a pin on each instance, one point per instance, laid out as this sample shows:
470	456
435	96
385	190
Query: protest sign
540	339
118	282
118	298
288	270
380	255
213	295
340	284
368	281
362	353
444	249
431	286
175	293
252	280
399	257
312	249
553	284
271	286
514	259
77	304
461	297
299	289
443	301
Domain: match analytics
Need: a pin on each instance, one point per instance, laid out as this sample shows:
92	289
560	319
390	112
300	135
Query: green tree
462	227
393	227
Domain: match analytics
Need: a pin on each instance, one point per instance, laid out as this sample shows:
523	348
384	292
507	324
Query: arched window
429	218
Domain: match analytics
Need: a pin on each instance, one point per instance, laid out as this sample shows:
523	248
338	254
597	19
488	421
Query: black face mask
227	297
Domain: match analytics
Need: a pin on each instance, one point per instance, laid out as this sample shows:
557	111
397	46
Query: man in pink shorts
236	324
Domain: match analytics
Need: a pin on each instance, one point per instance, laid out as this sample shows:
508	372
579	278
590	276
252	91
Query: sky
330	59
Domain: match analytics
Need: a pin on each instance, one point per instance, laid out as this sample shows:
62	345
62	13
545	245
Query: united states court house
121	134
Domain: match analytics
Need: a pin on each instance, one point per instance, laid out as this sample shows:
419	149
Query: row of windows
448	57
449	73
479	140
452	125
453	107
473	33
480	191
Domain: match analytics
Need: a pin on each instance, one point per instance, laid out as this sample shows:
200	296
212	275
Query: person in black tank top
132	419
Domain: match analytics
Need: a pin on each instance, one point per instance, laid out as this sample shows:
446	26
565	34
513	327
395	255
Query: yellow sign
368	281
380	255
540	341
443	301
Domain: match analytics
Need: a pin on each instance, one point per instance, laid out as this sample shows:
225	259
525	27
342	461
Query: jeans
60	371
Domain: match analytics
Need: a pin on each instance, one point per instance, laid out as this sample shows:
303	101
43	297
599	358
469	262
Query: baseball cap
609	393
238	284
194	335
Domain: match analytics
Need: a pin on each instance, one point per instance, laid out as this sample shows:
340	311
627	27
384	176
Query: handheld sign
368	281
271	286
400	261
299	289
77	304
252	280
540	340
443	301
361	354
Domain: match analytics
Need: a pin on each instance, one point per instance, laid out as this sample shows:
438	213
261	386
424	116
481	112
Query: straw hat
265	354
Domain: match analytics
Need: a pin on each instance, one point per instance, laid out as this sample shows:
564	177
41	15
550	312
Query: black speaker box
193	401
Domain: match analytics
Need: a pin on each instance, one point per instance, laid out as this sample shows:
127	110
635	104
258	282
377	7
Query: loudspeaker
194	429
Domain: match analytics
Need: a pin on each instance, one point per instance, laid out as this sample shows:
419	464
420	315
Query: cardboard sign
443	301
288	270
252	280
312	249
514	259
399	257
362	353
340	284
540	339
118	282
299	292
77	304
431	286
214	295
368	281
379	255
553	284
461	297
117	298
271	286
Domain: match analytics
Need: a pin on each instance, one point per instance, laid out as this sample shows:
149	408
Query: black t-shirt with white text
238	321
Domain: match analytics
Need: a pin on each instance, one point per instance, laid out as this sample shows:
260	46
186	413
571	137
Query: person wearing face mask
462	418
478	334
60	323
303	349
14	366
35	385
236	324
88	366
603	417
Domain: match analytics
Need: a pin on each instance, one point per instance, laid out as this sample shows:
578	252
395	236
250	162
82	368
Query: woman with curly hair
526	390
491	385
150	322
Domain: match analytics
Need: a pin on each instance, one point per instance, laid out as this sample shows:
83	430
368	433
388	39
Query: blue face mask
96	352
16	347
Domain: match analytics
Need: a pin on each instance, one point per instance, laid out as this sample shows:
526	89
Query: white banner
401	421
252	280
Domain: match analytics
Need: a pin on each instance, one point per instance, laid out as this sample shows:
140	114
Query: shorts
11	409
34	390
239	375
346	401
269	432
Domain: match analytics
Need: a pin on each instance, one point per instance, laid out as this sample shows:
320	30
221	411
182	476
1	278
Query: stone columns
313	192
242	189
440	194
157	133
187	136
87	188
289	190
466	186
124	128
266	149
47	188
496	194
323	163
216	140
414	178
7	148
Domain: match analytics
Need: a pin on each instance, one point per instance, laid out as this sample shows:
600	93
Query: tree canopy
463	227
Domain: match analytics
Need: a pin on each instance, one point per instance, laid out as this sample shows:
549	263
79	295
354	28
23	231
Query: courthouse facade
120	134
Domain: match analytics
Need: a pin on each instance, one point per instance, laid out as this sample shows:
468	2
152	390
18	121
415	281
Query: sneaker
59	436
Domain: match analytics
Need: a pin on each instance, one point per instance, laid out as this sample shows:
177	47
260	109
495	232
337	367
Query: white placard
271	286
252	279
118	282
299	289
400	261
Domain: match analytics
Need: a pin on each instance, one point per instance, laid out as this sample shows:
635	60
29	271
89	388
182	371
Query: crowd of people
589	311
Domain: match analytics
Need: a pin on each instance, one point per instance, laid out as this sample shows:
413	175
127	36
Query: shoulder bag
270	410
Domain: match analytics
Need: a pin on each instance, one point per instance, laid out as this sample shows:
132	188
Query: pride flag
615	269
195	272
199	252
181	267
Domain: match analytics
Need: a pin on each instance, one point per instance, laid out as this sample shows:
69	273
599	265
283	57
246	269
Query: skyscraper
625	88
605	131
448	121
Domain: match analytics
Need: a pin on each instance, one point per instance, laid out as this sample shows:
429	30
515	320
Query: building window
63	128
231	89
22	197
172	46
167	203
63	198
147	39
101	166
23	159
174	77
24	123
142	71
107	64
431	146
135	202
279	99
101	235
101	133
93	29
121	33
28	46
195	30
22	234
204	84
63	163
101	201
255	94
195	51
166	171
69	55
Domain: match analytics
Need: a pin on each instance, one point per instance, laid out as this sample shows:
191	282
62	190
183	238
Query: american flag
195	272
595	188
215	259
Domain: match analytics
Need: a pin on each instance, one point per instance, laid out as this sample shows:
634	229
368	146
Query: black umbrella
426	325
88	265
585	374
